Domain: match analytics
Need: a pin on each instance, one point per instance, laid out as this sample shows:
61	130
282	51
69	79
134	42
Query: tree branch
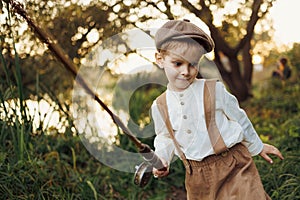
167	12
251	24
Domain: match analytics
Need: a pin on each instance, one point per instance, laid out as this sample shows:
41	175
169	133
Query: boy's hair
283	61
180	45
182	29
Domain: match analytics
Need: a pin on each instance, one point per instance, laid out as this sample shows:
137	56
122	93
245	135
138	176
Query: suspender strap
162	107
215	137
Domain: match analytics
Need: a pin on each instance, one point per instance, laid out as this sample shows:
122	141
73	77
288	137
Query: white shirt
186	111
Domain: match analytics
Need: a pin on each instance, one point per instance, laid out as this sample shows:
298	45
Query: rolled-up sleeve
234	112
163	143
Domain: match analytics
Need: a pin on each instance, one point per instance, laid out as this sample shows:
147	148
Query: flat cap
179	29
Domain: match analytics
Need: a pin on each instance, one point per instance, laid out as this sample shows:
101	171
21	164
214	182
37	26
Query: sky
286	16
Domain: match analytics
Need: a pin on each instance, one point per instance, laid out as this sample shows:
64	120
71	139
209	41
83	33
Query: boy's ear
158	58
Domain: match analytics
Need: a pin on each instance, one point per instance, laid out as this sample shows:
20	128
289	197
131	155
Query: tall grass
14	115
57	166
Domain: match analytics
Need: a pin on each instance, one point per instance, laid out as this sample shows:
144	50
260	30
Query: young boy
283	71
229	174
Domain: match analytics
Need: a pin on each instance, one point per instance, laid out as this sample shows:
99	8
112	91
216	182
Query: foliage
48	164
78	27
275	116
294	55
70	24
137	102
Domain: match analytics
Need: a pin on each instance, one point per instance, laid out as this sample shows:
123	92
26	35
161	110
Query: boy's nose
184	70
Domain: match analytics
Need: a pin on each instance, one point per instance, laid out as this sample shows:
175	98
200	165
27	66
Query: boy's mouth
183	79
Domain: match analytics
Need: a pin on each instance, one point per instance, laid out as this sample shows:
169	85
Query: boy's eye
177	63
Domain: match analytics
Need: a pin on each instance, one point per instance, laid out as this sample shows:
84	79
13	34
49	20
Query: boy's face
179	71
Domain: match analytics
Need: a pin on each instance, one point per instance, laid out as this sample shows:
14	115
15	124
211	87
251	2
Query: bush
275	116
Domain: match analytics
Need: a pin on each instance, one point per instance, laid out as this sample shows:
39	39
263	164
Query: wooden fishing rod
58	52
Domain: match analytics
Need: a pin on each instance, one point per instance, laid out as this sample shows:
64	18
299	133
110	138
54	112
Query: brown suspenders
163	108
209	108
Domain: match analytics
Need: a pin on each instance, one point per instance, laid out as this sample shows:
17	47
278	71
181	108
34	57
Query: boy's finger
267	158
273	150
279	155
276	152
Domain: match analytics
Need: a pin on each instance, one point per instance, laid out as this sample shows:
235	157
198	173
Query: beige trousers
229	176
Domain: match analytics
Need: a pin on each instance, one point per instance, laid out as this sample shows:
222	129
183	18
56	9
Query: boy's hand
270	149
161	173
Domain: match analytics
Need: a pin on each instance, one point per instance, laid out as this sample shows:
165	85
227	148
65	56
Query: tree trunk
238	85
231	74
248	66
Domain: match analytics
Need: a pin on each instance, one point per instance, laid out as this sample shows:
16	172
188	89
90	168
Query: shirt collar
183	94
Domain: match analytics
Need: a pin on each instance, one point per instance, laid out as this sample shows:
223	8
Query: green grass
57	166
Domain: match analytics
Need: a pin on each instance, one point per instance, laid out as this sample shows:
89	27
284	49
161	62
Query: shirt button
184	117
181	95
188	131
182	103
